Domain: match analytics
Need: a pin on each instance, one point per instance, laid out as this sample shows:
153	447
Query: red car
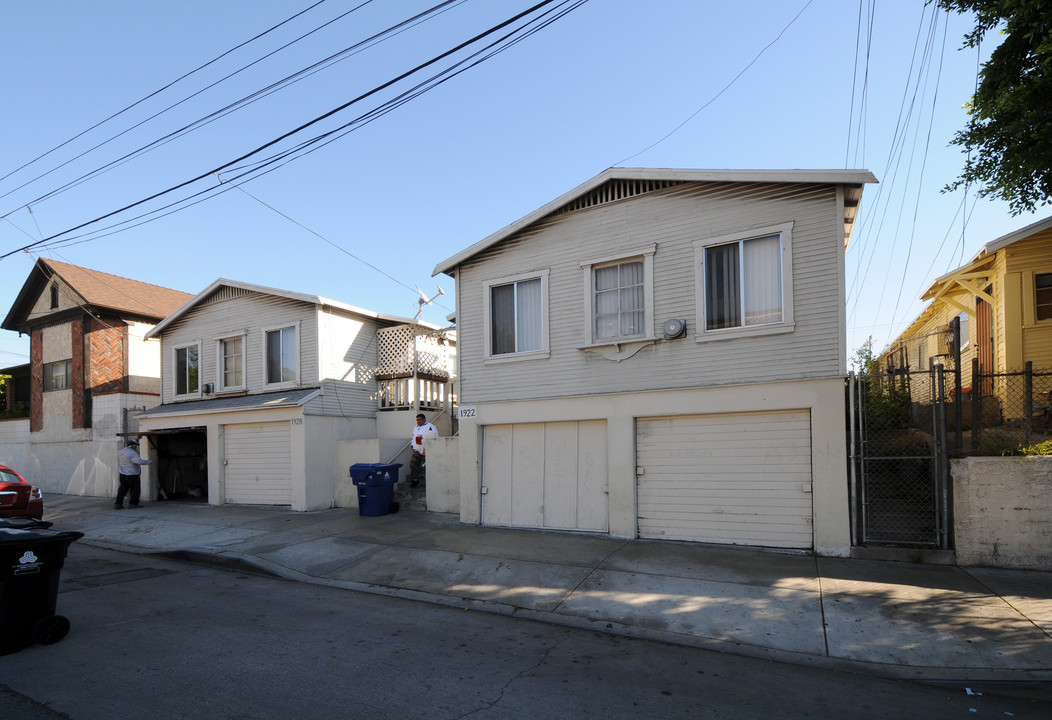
17	497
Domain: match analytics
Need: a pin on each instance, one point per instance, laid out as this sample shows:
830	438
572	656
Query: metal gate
900	488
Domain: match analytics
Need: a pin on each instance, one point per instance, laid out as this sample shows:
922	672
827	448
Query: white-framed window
516	316
744	282
230	360
281	353
58	375
188	370
619	297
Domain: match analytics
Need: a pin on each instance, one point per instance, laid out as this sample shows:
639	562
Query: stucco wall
823	398
443	474
1002	512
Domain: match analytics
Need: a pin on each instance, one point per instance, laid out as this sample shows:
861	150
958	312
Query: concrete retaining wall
1003	511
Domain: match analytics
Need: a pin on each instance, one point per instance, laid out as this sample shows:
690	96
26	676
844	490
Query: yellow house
1003	298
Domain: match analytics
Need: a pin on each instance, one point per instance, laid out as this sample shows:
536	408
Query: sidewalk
911	621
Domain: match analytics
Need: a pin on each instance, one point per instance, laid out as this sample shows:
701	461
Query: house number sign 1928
296	421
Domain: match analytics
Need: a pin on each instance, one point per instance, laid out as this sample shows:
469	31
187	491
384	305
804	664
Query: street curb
922	674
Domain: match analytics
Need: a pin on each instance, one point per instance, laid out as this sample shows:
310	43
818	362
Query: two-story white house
661	354
268	396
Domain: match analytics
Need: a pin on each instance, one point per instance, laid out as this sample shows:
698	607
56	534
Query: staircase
411	499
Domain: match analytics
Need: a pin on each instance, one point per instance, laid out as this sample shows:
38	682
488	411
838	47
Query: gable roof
985	256
854	179
96	290
302	297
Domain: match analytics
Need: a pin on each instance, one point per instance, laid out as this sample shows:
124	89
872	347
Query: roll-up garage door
259	464
741	479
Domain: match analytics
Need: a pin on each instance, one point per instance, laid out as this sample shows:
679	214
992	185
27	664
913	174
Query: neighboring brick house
90	370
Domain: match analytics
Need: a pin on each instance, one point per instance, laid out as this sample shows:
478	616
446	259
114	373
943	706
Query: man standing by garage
423	429
128	465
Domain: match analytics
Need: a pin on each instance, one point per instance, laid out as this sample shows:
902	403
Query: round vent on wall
674	328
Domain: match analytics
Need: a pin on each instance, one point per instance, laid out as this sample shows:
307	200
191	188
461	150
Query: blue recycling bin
375	483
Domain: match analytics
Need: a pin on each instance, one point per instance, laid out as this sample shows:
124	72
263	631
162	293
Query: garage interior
181	460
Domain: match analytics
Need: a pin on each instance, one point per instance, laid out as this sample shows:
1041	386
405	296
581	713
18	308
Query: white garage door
545	475
742	479
259	465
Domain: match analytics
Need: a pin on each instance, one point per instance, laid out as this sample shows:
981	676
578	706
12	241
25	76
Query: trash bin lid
35	536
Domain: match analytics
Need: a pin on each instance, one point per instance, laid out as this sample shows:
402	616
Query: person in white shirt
423	429
128	462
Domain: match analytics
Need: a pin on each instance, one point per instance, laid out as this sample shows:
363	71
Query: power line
215	171
158	91
234	106
727	87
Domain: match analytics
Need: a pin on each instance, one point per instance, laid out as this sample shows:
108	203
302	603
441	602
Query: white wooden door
259	464
545	475
742	479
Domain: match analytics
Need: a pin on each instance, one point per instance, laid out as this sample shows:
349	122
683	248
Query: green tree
1009	130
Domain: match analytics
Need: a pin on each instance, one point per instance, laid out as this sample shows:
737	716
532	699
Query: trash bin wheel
49	630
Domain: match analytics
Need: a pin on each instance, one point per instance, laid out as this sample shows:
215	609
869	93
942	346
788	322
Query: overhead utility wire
727	87
237	104
232	163
920	180
256	168
434	81
891	168
162	89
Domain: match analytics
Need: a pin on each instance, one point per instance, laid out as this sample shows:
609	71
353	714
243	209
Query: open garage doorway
181	457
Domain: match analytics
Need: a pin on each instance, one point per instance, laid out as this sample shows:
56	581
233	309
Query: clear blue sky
604	86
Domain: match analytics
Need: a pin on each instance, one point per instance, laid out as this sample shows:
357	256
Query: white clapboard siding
741	478
670	219
545	475
250	313
259	464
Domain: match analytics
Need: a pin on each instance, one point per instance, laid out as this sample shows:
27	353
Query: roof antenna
425	300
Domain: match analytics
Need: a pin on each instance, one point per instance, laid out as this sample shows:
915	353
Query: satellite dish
425	300
674	328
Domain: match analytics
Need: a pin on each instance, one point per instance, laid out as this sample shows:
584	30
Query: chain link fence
1003	413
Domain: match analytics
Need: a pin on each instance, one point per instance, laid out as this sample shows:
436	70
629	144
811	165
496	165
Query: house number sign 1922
466	412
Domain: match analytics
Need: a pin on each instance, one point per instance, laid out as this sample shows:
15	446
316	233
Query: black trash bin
375	483
30	564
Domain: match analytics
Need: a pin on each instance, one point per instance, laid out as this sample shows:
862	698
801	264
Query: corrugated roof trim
614	191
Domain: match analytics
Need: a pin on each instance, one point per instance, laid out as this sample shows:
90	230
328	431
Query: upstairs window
54	295
517	316
620	297
745	281
58	375
187	370
282	355
1043	293
232	363
619	308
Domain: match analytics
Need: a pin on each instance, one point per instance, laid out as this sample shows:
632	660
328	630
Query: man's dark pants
416	469
128	484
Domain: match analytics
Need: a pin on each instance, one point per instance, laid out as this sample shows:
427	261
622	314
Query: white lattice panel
405	349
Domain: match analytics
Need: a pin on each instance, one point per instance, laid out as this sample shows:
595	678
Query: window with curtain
186	370
516	317
743	283
232	362
282	355
619	306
